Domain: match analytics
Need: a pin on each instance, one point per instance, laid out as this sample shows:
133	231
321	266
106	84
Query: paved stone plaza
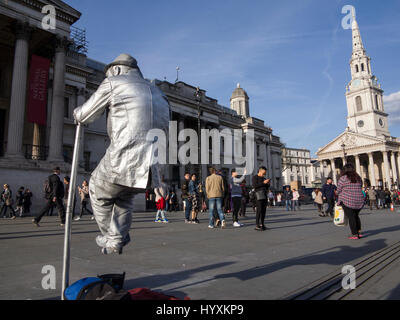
191	260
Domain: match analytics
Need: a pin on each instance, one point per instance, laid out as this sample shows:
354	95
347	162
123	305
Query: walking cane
68	218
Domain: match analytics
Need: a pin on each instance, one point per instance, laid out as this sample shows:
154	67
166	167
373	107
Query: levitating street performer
133	106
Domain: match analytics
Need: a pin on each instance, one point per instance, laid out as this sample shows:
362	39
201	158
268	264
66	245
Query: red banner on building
37	100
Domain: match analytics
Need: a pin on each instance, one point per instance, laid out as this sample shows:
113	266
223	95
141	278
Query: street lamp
197	95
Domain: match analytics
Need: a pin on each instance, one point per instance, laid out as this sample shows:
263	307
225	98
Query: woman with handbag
351	198
261	187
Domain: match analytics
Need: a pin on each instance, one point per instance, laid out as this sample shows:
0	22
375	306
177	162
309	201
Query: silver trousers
112	208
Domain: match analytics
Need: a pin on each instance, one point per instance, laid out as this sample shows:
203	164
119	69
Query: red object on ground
147	294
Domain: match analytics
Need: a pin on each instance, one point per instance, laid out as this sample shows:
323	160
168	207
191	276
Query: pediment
351	140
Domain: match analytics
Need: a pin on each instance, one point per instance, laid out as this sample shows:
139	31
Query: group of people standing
23	202
379	198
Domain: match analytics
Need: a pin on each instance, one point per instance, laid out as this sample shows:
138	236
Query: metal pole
68	217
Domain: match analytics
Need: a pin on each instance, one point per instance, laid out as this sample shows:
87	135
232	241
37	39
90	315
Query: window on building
362	66
359	103
357	69
66	107
376	102
258	150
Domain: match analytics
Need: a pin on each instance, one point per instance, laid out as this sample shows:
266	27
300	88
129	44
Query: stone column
387	169
372	169
358	165
394	167
80	100
321	166
18	92
333	166
36	142
57	109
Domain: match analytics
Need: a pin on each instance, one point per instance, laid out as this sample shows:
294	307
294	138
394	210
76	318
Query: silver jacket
134	107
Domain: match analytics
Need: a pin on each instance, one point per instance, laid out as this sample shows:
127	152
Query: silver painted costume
134	107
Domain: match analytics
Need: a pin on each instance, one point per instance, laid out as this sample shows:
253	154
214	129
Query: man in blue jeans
185	197
215	191
288	197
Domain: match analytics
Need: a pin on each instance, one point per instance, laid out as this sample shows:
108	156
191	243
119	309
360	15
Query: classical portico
376	160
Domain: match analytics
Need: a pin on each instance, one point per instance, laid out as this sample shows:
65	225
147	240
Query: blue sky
292	57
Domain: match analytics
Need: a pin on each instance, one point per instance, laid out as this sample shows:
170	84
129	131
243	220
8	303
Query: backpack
105	287
47	189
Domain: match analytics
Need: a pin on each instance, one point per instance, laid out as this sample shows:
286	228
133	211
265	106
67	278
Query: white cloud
392	106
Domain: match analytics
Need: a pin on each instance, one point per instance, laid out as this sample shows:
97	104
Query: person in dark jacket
27	201
288	197
185	197
329	195
54	196
20	201
261	186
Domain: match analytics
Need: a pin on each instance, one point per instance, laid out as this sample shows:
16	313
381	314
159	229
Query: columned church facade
366	142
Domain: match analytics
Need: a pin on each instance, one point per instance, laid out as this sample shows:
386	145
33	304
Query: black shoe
35	223
258	228
264	228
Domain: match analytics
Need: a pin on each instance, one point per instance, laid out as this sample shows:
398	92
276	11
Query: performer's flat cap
123	60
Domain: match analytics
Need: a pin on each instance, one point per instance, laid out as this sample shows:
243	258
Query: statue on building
133	106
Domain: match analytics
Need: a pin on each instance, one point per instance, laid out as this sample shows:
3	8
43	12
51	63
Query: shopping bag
340	219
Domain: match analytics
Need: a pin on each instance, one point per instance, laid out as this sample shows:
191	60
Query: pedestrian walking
388	198
194	198
279	199
288	197
19	202
236	194
372	198
350	197
185	197
271	199
161	193
295	200
329	195
215	190
319	202
381	198
27	201
261	186
84	198
7	199
173	200
54	196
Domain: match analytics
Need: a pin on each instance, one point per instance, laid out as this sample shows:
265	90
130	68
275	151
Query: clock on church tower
366	113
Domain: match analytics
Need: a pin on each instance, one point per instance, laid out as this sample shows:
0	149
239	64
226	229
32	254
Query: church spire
360	62
358	47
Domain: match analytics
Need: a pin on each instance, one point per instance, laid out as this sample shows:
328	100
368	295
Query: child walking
161	194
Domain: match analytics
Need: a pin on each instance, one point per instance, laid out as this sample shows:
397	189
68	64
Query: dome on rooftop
239	92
